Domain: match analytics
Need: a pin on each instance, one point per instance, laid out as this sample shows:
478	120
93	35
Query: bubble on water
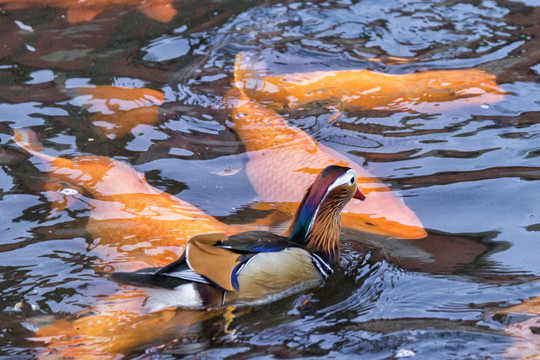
227	172
68	191
403	353
484	106
23	26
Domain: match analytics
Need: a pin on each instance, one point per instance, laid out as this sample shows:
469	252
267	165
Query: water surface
469	174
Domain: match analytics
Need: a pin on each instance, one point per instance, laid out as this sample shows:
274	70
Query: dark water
469	174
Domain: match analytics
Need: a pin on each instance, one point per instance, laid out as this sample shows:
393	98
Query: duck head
317	221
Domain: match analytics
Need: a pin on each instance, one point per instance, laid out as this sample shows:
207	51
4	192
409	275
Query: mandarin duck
255	266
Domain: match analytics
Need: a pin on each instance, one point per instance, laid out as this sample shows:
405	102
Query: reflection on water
467	172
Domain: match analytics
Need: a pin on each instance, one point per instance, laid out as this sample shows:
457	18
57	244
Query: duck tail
146	278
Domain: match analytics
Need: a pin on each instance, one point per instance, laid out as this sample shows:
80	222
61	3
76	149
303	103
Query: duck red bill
359	195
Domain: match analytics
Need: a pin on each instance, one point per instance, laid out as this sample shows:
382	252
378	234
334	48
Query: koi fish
529	306
283	160
525	344
134	224
78	11
365	89
117	325
526	333
116	111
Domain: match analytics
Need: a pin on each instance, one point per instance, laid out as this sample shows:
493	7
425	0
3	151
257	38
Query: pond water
468	173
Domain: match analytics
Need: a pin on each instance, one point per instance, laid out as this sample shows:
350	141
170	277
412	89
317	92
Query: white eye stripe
342	180
347	178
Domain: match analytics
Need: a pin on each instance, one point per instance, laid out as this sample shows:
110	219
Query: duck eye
351	181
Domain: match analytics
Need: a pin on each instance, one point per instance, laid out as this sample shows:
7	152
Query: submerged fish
526	344
133	224
284	160
365	89
525	332
116	326
528	306
77	10
116	111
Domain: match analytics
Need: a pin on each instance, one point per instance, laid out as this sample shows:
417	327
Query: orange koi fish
283	161
365	89
134	224
116	326
117	110
77	11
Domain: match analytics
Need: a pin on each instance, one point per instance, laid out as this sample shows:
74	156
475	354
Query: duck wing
220	259
256	242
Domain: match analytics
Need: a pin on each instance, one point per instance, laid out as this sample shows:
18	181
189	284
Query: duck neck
317	227
323	237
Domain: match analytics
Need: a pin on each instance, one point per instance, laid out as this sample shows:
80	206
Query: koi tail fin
249	69
28	140
59	195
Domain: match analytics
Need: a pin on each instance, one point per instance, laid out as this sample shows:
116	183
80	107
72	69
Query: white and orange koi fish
283	160
134	225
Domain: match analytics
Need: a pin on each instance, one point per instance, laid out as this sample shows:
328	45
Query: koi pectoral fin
335	113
